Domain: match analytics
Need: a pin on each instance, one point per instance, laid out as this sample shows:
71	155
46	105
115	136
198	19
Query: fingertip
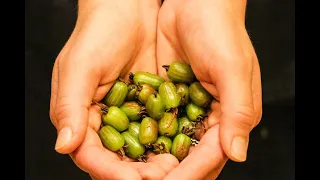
68	140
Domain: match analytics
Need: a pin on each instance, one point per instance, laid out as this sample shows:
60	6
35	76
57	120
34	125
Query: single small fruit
134	128
194	112
183	91
155	107
169	95
185	126
116	118
134	148
144	91
162	145
180	72
111	138
148	132
140	78
168	125
117	94
132	109
132	92
199	95
180	146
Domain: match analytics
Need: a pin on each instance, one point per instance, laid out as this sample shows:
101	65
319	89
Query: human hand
210	35
110	39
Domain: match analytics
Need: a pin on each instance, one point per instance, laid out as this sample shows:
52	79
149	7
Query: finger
166	161
166	54
95	117
215	114
78	81
54	92
99	162
237	110
256	90
206	156
149	171
54	80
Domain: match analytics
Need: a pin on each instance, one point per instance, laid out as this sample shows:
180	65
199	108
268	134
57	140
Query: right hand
110	39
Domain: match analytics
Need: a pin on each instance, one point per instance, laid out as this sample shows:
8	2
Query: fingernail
64	137
239	148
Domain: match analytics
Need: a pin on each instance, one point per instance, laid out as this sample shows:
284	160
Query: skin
110	39
113	38
210	35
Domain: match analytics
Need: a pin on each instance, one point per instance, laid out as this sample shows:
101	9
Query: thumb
237	110
77	83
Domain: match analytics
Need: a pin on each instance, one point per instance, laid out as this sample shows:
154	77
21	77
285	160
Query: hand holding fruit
210	35
111	39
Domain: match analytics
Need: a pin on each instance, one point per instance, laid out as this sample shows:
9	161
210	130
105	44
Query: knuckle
258	117
244	116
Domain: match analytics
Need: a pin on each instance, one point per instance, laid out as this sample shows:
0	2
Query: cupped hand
210	35
110	40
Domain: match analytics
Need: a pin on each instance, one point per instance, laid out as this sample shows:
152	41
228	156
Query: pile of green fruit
150	113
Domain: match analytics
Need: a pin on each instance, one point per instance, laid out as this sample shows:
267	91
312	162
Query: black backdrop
270	23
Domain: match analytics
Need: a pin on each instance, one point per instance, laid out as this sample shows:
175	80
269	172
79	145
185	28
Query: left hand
210	35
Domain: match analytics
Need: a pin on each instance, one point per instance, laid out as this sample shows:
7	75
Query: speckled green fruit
117	94
183	91
168	125
186	123
148	132
193	111
169	95
153	80
180	146
116	118
111	138
180	72
134	128
135	148
199	95
132	92
155	107
163	140
145	92
132	109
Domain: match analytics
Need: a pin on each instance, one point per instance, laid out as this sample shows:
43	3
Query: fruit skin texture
116	118
134	128
132	110
132	92
117	94
146	91
180	146
199	95
166	141
181	73
111	138
135	148
169	95
168	125
155	107
148	132
153	80
183	91
193	111
184	122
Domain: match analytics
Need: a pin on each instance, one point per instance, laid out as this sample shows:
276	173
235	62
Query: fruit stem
102	106
131	75
166	67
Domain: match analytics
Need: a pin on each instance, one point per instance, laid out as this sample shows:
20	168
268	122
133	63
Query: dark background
271	155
